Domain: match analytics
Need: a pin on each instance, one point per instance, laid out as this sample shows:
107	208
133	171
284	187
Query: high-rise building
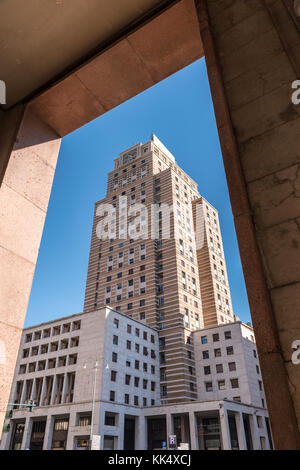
164	276
158	351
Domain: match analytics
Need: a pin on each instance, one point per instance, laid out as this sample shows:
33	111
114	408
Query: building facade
62	364
149	265
227	365
158	350
94	379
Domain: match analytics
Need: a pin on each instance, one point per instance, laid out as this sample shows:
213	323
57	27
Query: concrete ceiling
40	40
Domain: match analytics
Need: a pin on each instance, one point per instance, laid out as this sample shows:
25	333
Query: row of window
128	399
61	361
137	347
137	331
216	337
136	362
129	380
51	347
234	383
56	330
218	352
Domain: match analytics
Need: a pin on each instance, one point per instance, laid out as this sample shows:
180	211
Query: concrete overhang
76	59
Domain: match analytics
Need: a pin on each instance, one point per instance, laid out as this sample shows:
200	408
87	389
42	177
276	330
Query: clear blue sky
179	111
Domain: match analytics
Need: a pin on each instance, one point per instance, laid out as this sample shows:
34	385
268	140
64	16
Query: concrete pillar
258	125
193	431
121	431
27	433
64	390
100	427
169	427
28	155
226	441
48	434
254	431
240	430
72	424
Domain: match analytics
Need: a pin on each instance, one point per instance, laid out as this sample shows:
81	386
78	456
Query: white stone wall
243	347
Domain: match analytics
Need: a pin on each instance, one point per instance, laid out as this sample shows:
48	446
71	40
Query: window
254	353
136	400
218	352
237	399
112	395
205	354
259	421
232	366
128	344
227	334
260	385
153	386
127	379
219	368
113	376
203	339
234	383
84	420
216	337
136	381
136	364
229	350
126	399
206	370
221	385
110	419
114	357
208	386
115	339
116	323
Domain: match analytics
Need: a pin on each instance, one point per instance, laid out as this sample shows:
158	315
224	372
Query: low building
102	359
97	374
227	365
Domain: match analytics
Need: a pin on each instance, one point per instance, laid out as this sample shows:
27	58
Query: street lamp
93	401
93	404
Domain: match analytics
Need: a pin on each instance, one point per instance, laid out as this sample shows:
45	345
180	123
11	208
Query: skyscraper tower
148	264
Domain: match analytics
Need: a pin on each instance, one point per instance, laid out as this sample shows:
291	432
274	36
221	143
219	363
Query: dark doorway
157	433
248	432
60	433
129	434
17	436
37	435
233	433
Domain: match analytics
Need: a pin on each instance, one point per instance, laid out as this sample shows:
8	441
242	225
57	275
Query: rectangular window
208	386
234	383
113	376
221	385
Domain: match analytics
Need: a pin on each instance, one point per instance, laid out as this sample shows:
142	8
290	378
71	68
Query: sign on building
172	440
95	445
